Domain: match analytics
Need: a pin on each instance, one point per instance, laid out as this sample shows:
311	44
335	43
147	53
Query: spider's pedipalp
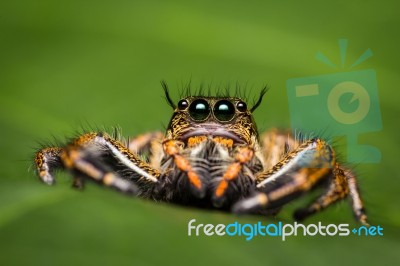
231	173
198	184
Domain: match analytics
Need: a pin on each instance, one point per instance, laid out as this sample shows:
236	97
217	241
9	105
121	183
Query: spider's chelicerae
211	156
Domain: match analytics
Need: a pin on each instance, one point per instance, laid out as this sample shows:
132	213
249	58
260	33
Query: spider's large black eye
199	109
241	106
224	110
183	104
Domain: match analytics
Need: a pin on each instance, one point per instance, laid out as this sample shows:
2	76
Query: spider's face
223	117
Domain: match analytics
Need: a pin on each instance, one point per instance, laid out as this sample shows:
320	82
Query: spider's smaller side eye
183	104
241	106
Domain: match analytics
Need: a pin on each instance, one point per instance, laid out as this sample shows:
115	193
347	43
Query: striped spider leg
299	170
100	158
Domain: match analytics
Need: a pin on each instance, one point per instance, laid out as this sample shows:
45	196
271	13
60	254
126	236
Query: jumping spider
210	157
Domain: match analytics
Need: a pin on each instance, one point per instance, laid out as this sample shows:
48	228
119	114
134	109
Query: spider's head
224	117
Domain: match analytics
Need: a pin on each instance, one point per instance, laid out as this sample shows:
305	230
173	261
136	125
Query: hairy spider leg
47	161
87	155
354	192
298	172
276	144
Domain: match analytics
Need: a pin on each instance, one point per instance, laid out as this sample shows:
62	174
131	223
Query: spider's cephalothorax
212	157
228	118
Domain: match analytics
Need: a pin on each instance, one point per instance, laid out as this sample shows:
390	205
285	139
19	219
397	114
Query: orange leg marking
194	179
232	171
171	148
222	186
243	156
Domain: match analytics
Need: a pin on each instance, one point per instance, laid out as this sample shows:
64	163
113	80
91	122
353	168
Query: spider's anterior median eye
183	104
224	110
241	106
199	109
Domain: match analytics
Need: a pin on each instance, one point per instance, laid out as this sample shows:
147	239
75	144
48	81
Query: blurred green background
64	64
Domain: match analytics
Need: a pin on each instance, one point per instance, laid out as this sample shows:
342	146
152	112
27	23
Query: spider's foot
47	178
78	183
251	204
361	216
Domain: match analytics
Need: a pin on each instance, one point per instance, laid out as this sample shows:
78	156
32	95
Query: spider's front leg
310	164
98	157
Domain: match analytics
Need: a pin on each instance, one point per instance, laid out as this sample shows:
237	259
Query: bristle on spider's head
167	97
219	90
223	93
262	93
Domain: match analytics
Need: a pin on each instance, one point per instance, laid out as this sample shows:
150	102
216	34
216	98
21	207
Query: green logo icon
359	93
338	104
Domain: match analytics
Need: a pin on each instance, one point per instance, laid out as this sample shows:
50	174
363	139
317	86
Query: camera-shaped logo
339	104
